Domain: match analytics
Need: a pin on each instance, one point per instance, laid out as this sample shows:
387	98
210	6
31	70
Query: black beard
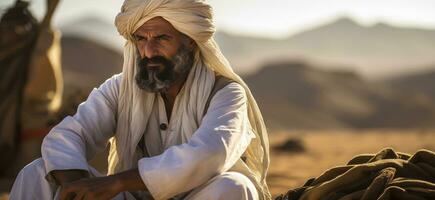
161	78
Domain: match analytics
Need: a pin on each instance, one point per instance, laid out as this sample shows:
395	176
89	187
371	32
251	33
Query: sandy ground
326	149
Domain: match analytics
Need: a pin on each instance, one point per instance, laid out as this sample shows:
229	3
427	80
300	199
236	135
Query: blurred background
333	78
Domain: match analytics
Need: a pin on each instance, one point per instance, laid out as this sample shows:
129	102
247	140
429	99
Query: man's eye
139	38
162	37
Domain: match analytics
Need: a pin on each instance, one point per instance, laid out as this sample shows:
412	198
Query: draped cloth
383	176
194	19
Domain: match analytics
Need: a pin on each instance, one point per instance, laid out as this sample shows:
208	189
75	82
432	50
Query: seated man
180	122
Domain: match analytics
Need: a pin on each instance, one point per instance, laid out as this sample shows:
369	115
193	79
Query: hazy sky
270	18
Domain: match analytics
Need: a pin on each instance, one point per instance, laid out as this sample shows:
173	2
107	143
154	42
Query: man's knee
30	183
234	184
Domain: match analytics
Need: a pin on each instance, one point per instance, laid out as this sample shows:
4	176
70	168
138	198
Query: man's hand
91	188
102	187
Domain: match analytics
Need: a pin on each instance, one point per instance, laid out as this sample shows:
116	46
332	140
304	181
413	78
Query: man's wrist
129	181
65	176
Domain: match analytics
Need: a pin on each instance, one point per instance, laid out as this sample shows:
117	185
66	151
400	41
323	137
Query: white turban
194	19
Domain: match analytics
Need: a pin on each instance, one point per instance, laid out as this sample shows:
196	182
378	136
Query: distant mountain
374	51
422	83
86	64
97	30
295	95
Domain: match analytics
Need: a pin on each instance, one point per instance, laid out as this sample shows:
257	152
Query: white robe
172	168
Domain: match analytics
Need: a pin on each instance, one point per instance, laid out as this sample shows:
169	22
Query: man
176	129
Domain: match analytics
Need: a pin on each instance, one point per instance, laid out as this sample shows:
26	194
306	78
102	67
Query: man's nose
150	50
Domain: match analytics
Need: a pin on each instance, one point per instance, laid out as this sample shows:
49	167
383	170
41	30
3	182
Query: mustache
143	62
151	79
159	79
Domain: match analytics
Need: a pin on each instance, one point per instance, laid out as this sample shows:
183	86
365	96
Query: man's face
165	55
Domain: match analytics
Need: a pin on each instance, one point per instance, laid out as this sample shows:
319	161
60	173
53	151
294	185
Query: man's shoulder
110	88
116	78
230	96
232	88
112	83
230	91
224	83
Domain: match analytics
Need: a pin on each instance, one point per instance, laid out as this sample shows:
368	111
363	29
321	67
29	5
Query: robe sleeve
218	143
75	140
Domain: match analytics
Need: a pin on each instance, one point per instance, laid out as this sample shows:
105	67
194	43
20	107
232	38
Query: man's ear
189	42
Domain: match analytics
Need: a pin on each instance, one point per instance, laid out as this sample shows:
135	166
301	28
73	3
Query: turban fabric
194	19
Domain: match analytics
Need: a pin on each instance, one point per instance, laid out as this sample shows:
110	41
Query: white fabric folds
194	19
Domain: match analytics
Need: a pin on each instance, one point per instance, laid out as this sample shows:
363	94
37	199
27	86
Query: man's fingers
67	196
80	195
63	192
95	188
67	192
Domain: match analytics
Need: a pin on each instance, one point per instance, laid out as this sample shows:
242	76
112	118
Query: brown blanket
385	175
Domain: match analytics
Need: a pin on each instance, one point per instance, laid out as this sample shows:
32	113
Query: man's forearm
105	187
65	176
130	181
